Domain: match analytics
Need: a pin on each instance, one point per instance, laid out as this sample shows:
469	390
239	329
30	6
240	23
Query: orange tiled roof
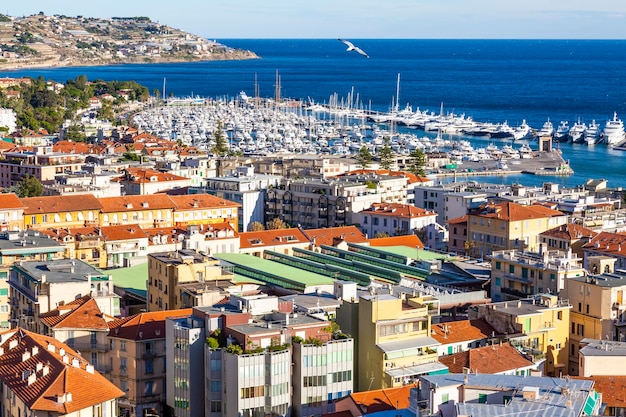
271	237
6	146
383	399
569	231
10	201
60	204
613	243
326	236
142	175
612	388
195	201
461	331
144	326
514	212
83	313
458	220
486	360
136	203
412	241
171	234
25	352
122	232
398	210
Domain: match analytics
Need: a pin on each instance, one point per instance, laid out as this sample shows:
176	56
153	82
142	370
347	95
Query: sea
489	80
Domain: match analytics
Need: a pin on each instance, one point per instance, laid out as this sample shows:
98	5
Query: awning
423	369
412	343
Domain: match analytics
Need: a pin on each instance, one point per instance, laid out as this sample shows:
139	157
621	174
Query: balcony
514	292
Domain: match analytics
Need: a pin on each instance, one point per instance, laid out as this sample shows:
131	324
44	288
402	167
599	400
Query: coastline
18	66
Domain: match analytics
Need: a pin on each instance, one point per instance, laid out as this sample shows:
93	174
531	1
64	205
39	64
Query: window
149	366
123	345
216	386
511	269
216	406
497	281
149	388
498	265
586	308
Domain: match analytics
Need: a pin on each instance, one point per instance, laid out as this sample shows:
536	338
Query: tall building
598	311
185	279
539	326
392	338
137	359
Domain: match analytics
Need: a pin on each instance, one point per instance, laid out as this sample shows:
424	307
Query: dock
542	163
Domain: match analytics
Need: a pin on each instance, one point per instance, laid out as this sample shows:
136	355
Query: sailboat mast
398	93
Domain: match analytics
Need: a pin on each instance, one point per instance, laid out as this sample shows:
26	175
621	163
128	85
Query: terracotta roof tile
271	238
610	243
195	201
398	210
383	399
412	241
612	388
144	326
18	361
83	313
141	175
60	204
136	203
10	201
461	330
326	236
458	220
486	360
514	212
569	231
122	232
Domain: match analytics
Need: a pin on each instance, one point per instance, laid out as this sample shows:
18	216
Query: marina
261	127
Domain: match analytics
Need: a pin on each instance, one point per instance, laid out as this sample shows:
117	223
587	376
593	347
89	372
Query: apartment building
11	213
538	325
516	274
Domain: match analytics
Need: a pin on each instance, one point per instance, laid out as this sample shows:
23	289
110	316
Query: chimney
90	369
75	363
45	370
35	350
51	347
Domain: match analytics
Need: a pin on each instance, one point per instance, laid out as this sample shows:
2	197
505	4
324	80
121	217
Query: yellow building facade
508	225
539	326
392	337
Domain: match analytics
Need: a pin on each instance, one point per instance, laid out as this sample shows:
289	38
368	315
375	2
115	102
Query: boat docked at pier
577	132
546	130
562	131
523	131
592	134
613	132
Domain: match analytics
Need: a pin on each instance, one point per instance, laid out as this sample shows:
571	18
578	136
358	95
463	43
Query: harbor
261	127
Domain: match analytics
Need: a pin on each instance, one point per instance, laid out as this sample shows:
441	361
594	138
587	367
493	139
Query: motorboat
562	131
577	132
613	132
592	135
523	131
546	130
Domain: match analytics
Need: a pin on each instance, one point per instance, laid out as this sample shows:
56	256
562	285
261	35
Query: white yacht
562	132
546	130
592	135
522	131
577	132
613	132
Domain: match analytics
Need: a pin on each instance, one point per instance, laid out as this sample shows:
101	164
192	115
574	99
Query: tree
221	145
417	162
364	157
75	133
381	234
386	156
256	227
29	186
276	224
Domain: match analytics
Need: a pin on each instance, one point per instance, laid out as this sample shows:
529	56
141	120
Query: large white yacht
546	130
592	135
577	132
613	132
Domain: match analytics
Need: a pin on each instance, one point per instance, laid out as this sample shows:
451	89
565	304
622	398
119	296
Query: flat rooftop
62	270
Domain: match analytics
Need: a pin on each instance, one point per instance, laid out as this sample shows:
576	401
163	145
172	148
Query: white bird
352	47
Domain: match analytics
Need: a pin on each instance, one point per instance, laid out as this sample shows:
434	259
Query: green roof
275	272
242	279
412	252
132	279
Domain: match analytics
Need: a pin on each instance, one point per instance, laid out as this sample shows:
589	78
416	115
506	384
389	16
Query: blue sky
477	19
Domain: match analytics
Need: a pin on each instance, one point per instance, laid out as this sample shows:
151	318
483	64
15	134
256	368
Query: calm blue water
491	80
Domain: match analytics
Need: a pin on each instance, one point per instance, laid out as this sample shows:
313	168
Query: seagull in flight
352	47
